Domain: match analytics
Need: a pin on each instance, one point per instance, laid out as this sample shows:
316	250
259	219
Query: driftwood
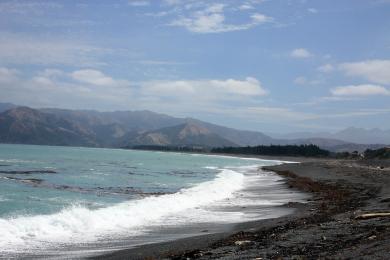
373	215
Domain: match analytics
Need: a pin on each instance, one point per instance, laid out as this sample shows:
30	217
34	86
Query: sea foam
81	225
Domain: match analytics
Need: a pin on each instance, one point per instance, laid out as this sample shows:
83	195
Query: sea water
56	201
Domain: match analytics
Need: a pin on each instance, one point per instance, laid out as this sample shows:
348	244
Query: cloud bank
377	71
360	90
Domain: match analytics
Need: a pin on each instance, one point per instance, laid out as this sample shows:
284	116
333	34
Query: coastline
326	226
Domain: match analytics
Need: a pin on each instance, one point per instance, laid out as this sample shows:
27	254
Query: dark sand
326	227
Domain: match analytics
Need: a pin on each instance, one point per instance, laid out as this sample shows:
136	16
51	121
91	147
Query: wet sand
331	225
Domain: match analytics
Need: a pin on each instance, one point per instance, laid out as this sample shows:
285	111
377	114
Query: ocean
72	201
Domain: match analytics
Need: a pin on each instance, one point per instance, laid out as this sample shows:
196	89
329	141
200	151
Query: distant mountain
364	136
29	126
187	134
334	145
110	128
105	129
239	137
349	135
300	135
128	120
128	128
350	147
6	106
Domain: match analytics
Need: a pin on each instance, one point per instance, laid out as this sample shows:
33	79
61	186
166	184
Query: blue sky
267	65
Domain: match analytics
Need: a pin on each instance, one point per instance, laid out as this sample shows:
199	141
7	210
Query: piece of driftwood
373	215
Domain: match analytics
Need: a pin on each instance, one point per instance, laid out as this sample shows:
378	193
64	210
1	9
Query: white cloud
312	10
139	3
55	88
326	68
300	80
94	89
203	24
158	14
43	81
304	81
211	19
161	62
215	23
95	77
172	2
300	53
377	71
245	7
260	18
360	90
248	87
196	89
7	75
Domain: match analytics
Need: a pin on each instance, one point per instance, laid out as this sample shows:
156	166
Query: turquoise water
86	195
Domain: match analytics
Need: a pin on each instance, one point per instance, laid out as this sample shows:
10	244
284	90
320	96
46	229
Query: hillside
30	126
239	137
109	128
348	135
105	129
6	106
129	128
120	128
181	135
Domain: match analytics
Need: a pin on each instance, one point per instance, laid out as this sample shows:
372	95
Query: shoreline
325	226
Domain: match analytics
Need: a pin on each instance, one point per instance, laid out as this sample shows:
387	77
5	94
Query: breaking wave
80	225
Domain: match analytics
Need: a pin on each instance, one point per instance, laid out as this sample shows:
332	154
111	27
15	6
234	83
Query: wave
211	167
17	161
257	158
2	199
81	225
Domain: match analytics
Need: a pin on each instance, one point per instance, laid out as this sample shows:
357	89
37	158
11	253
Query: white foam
274	162
3	199
211	167
79	224
17	161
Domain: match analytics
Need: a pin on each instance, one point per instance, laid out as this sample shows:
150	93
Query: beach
332	224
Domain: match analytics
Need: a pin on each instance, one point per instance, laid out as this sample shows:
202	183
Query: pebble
242	242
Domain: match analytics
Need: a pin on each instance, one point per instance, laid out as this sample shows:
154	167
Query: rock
243	242
28	172
373	215
32	181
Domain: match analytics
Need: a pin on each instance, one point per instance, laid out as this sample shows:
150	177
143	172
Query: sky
275	66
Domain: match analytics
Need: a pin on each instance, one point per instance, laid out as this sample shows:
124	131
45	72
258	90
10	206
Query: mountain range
350	134
51	126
